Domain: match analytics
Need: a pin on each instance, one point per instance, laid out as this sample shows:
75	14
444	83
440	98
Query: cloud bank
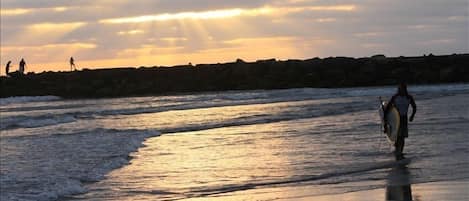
103	33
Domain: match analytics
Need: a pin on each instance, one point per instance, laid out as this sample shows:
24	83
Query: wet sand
433	191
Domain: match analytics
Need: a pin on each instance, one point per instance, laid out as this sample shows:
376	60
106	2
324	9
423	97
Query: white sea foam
53	166
26	99
40	121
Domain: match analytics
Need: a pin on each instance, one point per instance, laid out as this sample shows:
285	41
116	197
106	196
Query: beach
292	144
432	191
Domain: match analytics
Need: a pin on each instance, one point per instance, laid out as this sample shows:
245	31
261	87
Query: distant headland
239	75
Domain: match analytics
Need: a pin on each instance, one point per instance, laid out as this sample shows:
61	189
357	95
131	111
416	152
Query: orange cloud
19	11
56	26
131	32
60	47
23	11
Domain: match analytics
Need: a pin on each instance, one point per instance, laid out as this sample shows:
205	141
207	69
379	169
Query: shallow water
226	146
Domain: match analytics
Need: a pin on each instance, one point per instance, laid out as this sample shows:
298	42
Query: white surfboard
393	121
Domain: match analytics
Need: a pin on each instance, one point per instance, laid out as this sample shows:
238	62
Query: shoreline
454	190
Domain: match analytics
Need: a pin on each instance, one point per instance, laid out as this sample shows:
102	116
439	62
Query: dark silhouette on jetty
263	74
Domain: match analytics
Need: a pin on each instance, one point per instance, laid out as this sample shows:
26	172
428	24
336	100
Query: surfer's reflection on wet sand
398	184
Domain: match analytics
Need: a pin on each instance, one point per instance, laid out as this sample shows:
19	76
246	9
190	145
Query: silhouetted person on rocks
22	66
72	64
7	68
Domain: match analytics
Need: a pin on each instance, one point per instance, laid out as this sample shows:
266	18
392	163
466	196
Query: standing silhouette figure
22	66
7	68
72	64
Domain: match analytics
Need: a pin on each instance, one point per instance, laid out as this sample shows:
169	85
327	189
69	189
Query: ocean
287	144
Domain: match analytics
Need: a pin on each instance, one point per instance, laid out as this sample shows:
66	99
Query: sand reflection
398	186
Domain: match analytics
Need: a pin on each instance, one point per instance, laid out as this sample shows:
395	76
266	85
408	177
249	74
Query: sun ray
225	13
215	14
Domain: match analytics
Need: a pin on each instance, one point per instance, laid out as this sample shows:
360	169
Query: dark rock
240	75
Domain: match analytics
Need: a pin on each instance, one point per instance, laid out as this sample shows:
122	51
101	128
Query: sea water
237	145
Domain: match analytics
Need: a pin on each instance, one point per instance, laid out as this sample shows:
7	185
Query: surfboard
392	124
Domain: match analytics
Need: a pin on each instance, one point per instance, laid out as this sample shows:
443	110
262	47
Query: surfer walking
401	101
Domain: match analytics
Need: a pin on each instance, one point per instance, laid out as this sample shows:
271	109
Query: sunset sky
112	33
